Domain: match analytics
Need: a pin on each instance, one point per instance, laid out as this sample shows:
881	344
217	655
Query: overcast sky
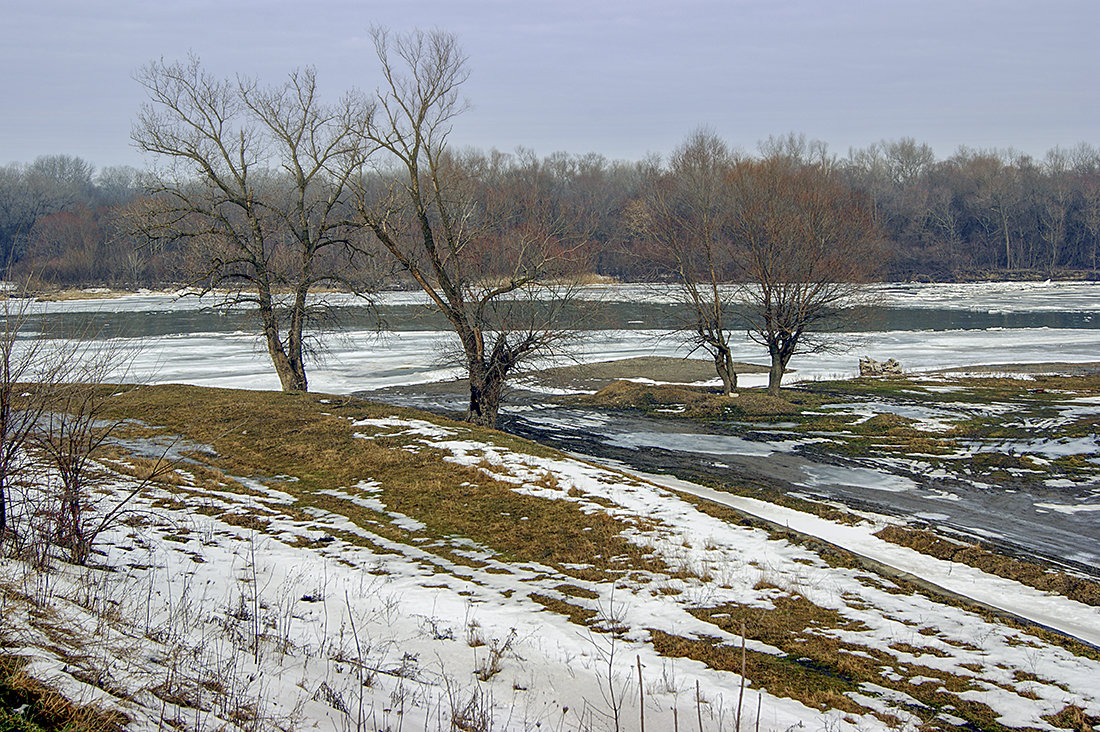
620	77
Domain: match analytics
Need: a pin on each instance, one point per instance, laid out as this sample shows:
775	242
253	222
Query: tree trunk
780	355
291	371
485	388
723	364
291	379
775	374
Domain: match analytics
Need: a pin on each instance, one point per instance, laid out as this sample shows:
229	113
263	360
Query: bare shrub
55	431
492	664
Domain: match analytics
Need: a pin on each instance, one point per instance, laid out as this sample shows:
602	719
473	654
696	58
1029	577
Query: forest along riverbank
1010	462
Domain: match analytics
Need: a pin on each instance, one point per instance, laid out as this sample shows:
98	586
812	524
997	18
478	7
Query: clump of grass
785	676
1075	718
574	591
696	402
43	709
887	424
790	614
629	394
818	668
974	555
575	613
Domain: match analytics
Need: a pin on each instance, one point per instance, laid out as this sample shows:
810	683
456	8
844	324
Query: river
181	339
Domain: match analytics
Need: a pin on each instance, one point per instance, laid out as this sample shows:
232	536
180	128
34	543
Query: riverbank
1001	460
313	560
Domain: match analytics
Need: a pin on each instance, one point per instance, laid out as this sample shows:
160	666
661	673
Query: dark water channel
93	322
1010	519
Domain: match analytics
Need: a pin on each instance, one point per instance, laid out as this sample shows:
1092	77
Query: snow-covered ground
210	622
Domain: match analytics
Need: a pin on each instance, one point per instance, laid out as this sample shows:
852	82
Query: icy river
925	327
922	326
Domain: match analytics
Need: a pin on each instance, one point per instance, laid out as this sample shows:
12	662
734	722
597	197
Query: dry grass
597	375
574	591
43	708
307	441
696	402
304	444
635	395
974	555
780	675
1075	718
575	613
819	669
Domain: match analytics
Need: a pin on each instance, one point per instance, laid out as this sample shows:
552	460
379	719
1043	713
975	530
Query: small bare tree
805	248
258	180
490	245
55	433
684	214
25	373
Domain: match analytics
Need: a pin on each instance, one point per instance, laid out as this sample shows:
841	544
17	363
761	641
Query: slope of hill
314	561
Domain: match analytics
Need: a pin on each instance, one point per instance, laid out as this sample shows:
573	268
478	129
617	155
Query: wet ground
1013	520
1055	519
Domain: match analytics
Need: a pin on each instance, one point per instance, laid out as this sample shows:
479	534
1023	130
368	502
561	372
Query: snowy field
213	623
252	607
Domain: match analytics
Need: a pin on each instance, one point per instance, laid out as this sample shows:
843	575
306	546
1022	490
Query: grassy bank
317	541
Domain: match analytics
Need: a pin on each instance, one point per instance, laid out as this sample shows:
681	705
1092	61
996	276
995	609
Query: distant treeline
977	214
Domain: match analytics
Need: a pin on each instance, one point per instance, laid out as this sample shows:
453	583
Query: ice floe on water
365	359
1070	508
697	443
932	419
1001	297
818	474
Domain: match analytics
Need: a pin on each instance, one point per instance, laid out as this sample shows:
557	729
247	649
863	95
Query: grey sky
619	77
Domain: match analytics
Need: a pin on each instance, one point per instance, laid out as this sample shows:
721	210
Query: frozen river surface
929	328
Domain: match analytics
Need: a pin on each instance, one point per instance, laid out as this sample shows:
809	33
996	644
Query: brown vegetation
694	401
1035	575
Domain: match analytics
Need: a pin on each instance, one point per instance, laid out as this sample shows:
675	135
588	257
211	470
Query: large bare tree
488	242
256	179
684	214
806	246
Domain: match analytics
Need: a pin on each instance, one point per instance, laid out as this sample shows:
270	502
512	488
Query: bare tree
257	179
684	213
805	247
50	184
907	160
795	149
1055	200
71	439
485	239
75	435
